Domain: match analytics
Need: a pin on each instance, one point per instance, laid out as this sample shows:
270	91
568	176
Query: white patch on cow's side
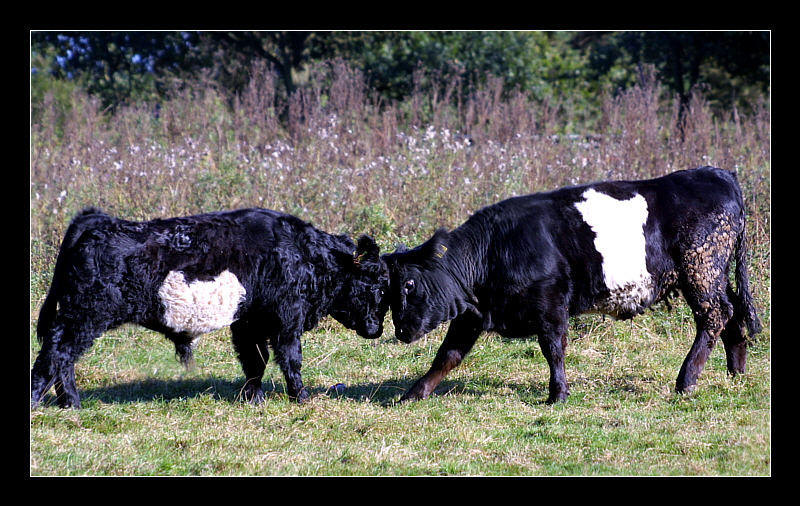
619	238
200	307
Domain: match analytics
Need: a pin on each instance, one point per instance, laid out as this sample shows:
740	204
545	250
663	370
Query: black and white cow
523	266
268	275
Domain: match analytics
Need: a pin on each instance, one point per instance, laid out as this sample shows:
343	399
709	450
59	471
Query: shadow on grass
388	393
158	389
384	393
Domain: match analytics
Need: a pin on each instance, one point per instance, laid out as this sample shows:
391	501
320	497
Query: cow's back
617	244
136	261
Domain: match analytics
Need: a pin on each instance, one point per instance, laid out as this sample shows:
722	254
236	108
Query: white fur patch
619	238
200	307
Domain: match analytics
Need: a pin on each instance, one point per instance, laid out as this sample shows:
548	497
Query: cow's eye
409	287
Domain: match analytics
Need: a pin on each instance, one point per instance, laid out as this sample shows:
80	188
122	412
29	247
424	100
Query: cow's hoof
411	396
253	395
302	396
557	397
68	403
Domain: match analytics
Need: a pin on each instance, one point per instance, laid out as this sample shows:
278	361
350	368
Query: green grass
144	415
358	168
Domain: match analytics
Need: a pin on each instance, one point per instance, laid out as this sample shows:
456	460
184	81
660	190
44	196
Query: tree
116	66
121	67
735	64
232	53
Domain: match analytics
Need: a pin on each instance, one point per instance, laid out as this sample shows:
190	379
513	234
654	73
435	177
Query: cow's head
361	305
426	287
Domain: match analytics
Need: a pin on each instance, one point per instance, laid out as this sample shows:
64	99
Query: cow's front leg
289	356
553	341
461	336
553	347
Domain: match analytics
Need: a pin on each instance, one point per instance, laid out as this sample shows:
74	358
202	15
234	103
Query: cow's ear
367	244
435	247
366	248
367	257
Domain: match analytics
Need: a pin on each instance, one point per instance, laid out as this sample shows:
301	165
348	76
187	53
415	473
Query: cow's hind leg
55	364
66	389
710	320
461	336
704	283
251	348
733	337
45	368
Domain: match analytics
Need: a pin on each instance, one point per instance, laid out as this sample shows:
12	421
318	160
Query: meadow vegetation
336	155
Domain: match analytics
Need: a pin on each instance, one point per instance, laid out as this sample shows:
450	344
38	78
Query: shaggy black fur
524	265
108	272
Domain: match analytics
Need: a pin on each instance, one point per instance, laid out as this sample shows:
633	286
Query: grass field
396	173
144	415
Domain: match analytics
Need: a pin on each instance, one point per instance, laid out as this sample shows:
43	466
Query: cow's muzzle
371	332
407	336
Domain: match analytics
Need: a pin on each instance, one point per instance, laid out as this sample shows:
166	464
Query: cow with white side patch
523	266
268	275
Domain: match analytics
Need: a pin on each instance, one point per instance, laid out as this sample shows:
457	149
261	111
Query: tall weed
336	155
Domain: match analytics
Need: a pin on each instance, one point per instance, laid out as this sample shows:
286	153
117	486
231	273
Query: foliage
121	67
532	61
339	151
734	65
118	67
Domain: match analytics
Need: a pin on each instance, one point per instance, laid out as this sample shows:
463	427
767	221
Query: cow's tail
745	309
48	311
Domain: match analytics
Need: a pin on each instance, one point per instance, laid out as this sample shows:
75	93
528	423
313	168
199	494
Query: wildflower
430	133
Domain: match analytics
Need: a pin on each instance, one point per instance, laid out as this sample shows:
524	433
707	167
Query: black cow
524	265
268	275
